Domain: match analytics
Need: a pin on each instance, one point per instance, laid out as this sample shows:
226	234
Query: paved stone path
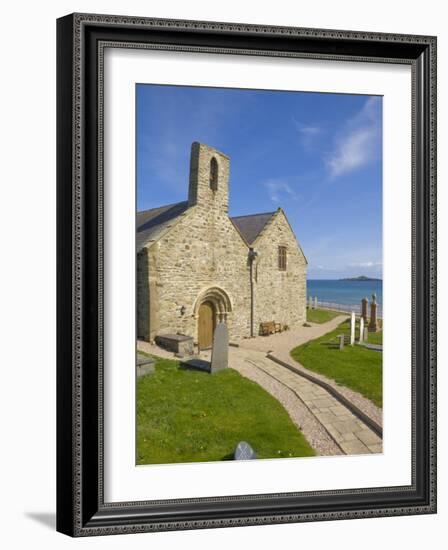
350	434
375	347
280	345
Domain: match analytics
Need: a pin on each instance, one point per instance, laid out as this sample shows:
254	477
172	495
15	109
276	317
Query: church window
214	174
282	258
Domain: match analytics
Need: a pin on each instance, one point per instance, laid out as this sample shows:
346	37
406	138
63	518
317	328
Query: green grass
355	367
376	338
186	415
321	315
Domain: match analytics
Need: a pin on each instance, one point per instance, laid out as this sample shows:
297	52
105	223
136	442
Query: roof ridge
161	206
256	214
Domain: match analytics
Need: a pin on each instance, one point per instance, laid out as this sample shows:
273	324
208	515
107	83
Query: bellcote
209	178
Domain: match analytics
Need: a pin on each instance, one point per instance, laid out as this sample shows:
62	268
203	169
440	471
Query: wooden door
206	325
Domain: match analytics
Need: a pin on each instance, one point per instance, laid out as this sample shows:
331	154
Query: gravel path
314	410
290	339
258	369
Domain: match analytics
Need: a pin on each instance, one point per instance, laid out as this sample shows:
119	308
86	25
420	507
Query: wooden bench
270	327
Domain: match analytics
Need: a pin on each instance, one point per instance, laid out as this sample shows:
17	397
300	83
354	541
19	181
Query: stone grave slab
180	344
145	365
220	349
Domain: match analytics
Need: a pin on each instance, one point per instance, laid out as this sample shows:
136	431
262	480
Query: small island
360	278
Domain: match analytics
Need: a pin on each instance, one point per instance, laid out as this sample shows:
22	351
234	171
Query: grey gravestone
220	349
145	365
244	451
366	334
315	302
361	329
341	341
310	303
352	328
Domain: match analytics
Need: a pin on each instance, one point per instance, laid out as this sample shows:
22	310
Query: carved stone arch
220	300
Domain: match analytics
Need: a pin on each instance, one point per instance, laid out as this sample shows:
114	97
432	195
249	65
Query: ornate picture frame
81	506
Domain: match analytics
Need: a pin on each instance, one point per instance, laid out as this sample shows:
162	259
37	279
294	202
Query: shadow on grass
229	456
330	345
196	365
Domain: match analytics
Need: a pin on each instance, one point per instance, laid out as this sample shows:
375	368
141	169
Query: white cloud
306	129
352	152
323	268
279	190
358	143
310	130
366	264
308	133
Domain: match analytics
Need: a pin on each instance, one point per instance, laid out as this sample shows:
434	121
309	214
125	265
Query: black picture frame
81	510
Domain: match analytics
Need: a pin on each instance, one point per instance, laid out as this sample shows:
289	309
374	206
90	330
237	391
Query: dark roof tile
251	226
150	223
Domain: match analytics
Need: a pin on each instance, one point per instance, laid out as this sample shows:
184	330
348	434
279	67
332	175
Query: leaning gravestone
352	328
361	329
244	451
220	349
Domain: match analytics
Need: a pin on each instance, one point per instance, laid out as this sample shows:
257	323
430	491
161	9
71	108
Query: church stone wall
280	296
202	251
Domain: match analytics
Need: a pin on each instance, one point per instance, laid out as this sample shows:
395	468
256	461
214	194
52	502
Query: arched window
214	174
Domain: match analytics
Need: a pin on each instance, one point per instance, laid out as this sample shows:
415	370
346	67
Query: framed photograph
246	274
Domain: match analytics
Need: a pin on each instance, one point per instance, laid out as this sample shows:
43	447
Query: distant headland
360	278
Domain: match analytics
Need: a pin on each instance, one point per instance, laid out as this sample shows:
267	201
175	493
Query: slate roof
151	223
251	226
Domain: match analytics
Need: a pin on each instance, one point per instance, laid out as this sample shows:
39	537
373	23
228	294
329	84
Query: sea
345	293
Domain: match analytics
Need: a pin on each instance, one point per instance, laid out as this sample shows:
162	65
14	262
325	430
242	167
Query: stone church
197	266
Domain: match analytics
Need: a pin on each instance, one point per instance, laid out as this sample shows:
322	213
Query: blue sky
318	156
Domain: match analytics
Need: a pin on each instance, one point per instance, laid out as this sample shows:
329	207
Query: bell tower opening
214	174
209	179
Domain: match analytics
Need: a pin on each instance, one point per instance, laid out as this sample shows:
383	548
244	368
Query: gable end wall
280	296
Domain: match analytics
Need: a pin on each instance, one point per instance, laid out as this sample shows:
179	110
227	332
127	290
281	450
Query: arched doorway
212	306
206	325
